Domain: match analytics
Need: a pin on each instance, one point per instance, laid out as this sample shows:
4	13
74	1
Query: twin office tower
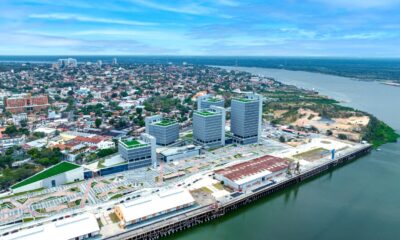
209	120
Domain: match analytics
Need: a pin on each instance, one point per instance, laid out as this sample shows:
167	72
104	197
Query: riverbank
342	204
328	111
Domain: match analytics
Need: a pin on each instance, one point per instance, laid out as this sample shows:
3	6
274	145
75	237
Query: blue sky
355	28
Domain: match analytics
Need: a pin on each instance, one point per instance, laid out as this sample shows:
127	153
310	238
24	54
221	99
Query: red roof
241	170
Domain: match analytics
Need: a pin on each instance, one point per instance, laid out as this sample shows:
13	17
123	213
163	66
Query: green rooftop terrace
49	172
165	122
245	100
205	113
214	100
133	143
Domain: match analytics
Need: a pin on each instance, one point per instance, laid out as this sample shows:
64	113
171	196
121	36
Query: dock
168	226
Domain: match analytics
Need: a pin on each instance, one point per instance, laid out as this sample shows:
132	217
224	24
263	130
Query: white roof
45	130
155	204
68	228
252	177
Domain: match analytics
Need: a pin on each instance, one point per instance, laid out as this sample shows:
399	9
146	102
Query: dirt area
203	196
279	113
348	126
313	154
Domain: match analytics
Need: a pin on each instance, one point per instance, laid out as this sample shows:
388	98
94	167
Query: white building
79	227
152	206
176	153
59	174
10	142
18	118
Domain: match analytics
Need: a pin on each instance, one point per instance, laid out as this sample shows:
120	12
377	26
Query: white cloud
193	9
372	35
81	18
360	4
148	35
299	32
229	3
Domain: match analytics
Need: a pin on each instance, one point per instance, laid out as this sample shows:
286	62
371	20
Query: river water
360	200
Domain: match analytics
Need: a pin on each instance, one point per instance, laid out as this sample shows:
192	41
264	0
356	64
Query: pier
208	213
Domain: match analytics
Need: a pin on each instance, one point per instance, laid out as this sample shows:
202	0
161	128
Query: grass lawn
116	196
165	123
218	186
312	154
22	200
205	113
206	189
49	172
99	222
22	193
113	217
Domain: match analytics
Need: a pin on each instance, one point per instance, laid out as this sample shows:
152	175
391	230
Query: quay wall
207	213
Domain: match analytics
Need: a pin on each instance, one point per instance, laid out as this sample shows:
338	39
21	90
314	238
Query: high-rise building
139	152
166	131
99	63
206	101
246	118
20	103
67	62
209	126
114	61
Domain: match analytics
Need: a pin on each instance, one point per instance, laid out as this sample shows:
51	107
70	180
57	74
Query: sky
348	28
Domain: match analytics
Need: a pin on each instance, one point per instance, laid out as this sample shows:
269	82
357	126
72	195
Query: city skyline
224	27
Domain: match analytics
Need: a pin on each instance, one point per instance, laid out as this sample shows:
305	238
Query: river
360	200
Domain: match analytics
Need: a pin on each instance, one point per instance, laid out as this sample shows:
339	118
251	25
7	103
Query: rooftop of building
253	167
133	143
68	228
49	172
165	122
205	113
157	203
177	150
245	100
214	99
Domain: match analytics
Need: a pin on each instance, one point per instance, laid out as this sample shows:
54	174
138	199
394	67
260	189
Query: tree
123	94
11	130
106	152
282	139
23	123
98	122
342	136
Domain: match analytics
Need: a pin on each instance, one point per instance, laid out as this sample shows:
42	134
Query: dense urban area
118	146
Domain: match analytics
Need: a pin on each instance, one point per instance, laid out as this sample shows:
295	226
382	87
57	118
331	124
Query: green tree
98	122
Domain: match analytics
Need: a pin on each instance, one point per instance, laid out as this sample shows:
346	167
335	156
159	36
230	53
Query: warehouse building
83	226
166	131
259	171
138	152
156	205
59	174
209	127
246	118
